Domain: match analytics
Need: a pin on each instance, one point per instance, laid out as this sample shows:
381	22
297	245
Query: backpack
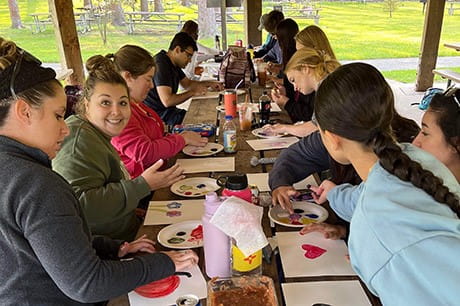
236	65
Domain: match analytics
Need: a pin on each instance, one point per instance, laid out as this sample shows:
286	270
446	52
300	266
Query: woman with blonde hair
49	256
305	70
297	105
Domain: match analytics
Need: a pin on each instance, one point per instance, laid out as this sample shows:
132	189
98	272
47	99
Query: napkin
241	220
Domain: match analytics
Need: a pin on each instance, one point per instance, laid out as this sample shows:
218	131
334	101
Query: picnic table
303	13
450	75
39	22
204	111
151	18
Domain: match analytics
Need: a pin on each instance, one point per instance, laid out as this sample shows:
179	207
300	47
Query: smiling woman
92	166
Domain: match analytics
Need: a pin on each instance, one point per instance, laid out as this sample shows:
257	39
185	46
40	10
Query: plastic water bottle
215	243
229	134
264	108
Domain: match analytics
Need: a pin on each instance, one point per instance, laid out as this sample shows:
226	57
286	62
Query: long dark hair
285	33
447	110
355	102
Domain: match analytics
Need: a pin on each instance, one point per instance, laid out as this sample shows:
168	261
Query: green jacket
91	165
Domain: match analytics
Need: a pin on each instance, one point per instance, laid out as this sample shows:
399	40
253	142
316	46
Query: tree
158	6
390	6
144	6
206	16
186	3
118	18
16	22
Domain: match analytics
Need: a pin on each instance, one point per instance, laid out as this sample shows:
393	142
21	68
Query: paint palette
194	187
263	133
182	235
209	149
304	213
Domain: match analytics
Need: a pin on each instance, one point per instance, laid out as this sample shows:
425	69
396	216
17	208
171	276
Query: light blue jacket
403	244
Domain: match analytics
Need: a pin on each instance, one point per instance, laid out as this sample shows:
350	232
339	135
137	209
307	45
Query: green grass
356	31
408	76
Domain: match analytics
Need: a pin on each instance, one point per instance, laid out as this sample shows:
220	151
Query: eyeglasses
189	55
23	55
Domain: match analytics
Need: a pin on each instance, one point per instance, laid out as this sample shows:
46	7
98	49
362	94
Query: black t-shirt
166	74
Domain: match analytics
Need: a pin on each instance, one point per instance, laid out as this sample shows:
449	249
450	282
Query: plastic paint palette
304	213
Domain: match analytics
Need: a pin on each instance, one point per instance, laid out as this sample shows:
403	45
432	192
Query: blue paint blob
312	216
174	205
201	186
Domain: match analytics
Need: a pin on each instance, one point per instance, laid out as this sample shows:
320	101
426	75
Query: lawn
356	31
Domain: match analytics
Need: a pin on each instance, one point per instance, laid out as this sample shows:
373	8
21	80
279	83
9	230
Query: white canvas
271	143
333	262
210	164
336	293
168	212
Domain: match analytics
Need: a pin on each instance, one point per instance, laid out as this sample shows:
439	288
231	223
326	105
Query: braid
393	160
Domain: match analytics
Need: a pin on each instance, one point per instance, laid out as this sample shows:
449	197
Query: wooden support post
67	39
223	23
252	13
430	44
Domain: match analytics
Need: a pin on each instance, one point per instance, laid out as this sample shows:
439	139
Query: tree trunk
14	15
144	6
186	3
206	20
158	6
117	11
87	3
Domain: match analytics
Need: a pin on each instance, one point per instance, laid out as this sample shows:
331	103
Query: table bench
450	75
39	22
302	13
151	18
451	9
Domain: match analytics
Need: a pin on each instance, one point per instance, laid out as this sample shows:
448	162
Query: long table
204	111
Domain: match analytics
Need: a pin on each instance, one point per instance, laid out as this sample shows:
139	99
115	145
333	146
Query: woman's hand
278	97
329	231
215	86
320	193
276	128
282	196
194	139
142	244
160	179
183	259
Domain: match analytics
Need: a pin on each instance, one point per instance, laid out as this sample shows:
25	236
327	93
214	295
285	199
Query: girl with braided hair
405	229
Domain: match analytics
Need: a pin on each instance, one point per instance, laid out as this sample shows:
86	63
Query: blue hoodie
403	244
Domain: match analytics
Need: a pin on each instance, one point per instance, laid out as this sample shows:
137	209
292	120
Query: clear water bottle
229	134
245	265
216	243
264	108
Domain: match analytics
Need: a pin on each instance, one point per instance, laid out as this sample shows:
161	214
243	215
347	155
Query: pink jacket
143	140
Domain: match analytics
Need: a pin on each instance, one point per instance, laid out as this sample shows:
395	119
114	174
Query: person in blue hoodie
405	228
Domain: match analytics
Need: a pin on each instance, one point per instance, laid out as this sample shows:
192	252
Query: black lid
237	181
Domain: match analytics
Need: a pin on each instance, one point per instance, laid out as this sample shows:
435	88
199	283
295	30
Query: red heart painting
313	251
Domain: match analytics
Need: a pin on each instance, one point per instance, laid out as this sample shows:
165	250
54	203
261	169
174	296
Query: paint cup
262	73
245	116
230	102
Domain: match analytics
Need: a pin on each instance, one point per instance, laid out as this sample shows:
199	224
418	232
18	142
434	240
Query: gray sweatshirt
47	254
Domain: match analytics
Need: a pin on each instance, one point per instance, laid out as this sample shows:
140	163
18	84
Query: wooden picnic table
151	18
204	111
455	46
40	20
302	13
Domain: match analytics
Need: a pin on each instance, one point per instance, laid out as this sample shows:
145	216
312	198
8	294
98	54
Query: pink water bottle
215	243
236	185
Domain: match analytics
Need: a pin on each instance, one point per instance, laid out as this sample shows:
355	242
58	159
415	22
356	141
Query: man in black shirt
163	97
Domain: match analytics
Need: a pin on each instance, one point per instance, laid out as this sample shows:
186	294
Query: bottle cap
228	117
265	92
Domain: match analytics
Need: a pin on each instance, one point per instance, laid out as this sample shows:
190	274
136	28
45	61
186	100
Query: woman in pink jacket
144	140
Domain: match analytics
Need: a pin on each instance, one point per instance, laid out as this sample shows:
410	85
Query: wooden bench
449	75
151	18
451	9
